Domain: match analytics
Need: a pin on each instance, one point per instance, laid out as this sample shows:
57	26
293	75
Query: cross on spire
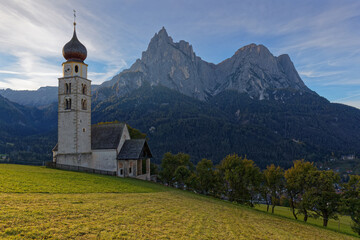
74	17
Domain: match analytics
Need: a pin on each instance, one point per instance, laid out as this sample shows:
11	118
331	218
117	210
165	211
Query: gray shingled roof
134	149
106	136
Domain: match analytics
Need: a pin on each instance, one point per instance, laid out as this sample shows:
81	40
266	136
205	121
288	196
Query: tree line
307	190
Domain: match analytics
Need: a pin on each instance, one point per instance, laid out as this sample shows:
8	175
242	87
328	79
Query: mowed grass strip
32	179
161	215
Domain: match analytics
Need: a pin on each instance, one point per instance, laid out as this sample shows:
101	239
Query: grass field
40	203
342	225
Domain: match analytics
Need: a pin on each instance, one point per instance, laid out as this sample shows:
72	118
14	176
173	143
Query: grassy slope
343	224
109	207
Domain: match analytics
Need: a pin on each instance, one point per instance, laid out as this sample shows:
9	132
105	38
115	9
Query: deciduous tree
170	163
242	178
351	201
321	194
296	184
274	180
205	176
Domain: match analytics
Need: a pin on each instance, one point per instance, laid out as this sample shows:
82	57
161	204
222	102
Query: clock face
67	70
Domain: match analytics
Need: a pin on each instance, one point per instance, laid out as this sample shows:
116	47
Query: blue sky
321	37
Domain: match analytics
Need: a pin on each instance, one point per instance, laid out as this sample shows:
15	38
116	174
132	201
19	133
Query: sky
322	37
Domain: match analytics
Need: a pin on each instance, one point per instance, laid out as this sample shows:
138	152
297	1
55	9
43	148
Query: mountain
26	133
252	70
16	119
44	96
303	125
253	104
40	98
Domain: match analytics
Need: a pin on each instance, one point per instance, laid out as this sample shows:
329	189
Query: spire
74	19
74	50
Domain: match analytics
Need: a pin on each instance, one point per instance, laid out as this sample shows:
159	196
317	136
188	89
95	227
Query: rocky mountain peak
159	39
252	48
252	69
163	33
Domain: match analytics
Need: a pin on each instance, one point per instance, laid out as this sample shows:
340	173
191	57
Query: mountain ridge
252	70
260	107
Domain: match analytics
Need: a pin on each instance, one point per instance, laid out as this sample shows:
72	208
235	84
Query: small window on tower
66	88
83	104
84	90
76	68
69	88
84	130
67	104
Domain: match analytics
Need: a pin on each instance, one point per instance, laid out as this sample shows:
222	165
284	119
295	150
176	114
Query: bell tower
74	106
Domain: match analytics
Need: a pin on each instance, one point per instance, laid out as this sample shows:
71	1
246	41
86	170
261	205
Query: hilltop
46	203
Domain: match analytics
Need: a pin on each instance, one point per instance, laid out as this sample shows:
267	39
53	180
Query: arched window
84	88
83	104
70	88
76	68
66	88
68	104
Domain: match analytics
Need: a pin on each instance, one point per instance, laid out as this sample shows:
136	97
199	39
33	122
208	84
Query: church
99	148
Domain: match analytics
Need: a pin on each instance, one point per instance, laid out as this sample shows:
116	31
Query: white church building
100	148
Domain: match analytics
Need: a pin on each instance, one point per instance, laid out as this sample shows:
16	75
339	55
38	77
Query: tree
154	168
274	181
205	176
169	165
265	192
182	174
296	185
321	194
351	201
241	177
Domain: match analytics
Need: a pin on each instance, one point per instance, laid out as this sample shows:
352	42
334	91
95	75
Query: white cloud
34	32
350	103
319	37
315	74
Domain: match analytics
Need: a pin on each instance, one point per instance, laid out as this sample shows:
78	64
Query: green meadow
41	203
341	225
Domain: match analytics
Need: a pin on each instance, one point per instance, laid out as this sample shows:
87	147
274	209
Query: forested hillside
300	126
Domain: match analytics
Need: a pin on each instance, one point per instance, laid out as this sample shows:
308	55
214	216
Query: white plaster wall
124	136
104	160
83	160
66	132
84	131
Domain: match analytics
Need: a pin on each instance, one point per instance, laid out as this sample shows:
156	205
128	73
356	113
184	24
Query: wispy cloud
320	36
34	32
350	103
315	74
351	96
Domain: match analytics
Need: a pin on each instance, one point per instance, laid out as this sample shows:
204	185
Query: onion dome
74	50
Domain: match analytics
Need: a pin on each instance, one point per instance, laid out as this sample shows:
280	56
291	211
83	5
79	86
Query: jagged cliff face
252	69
